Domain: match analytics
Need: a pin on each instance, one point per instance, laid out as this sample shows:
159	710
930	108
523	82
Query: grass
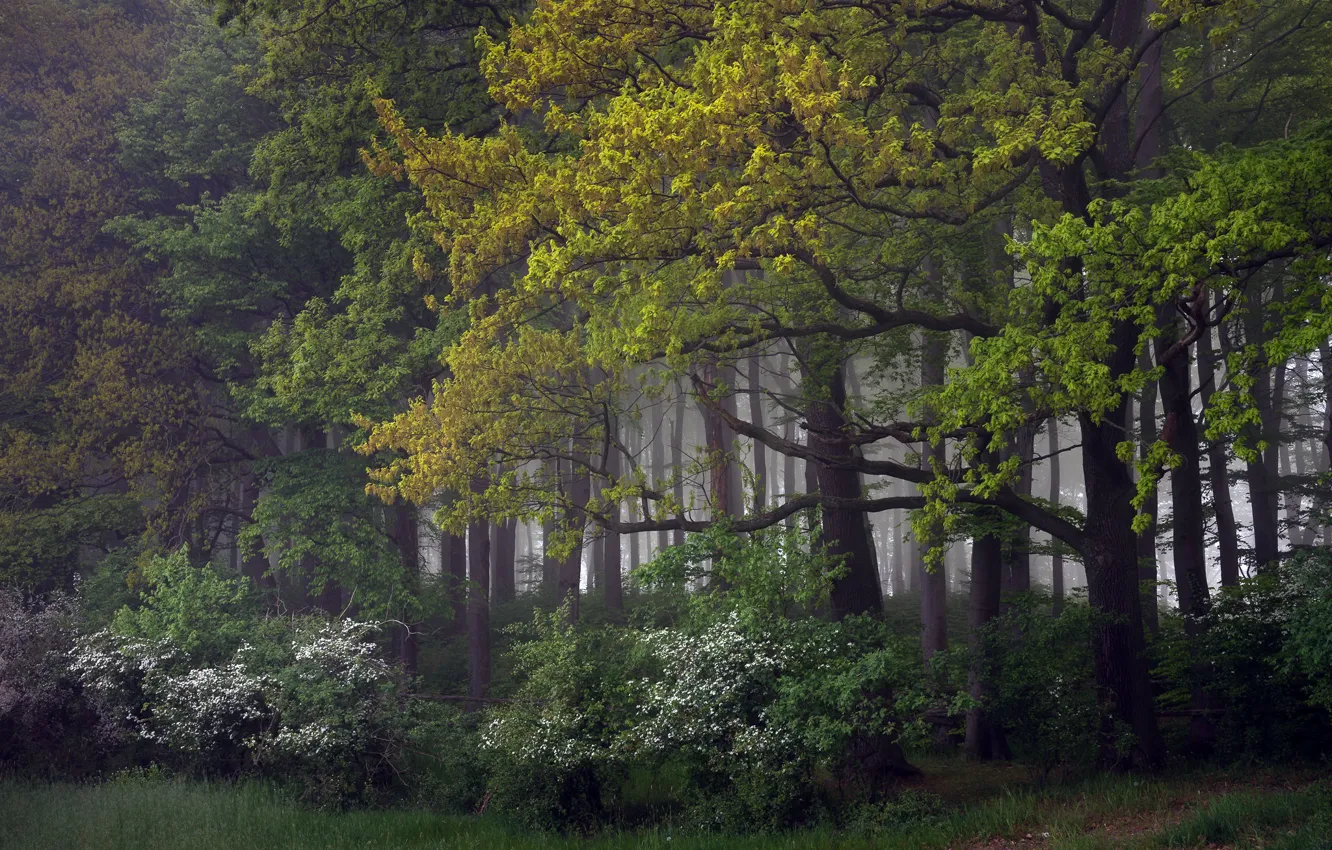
1109	813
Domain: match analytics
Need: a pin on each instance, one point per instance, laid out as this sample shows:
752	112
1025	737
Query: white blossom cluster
315	710
714	692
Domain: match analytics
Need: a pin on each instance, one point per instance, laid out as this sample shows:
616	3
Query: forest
605	423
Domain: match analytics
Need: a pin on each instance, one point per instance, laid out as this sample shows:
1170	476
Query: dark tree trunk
984	741
1110	557
406	534
1227	533
1020	544
478	605
610	543
1262	470
504	580
453	564
677	457
756	417
575	522
659	448
844	532
1056	559
788	433
1188	526
1148	575
725	496
934	583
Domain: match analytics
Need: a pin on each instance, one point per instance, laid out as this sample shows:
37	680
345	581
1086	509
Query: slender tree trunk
659	449
755	368
726	496
575	523
1262	470
1148	574
1227	532
610	543
1188	526
1056	559
504	580
406	535
788	433
677	457
453	564
634	441
478	605
1020	543
934	583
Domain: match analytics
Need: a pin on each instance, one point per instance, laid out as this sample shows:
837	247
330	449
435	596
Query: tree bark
677	456
1262	470
1188	526
575	523
984	741
1148	574
756	416
1110	557
504	578
478	606
1057	558
406	535
1218	471
844	532
610	542
934	583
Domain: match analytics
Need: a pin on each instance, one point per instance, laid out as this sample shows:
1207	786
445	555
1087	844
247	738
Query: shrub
47	723
770	722
1042	683
1263	654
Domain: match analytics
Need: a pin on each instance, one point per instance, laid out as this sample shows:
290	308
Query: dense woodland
487	405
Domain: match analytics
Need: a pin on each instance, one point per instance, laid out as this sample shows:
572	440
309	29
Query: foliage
1259	653
771	722
48	725
1042	687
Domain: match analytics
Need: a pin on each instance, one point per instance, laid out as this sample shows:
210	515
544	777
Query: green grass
170	815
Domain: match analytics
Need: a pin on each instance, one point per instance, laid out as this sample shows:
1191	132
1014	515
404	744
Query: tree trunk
756	417
1148	575
575	522
1227	533
844	532
453	557
934	583
725	497
984	741
504	579
677	457
610	542
1188	526
1262	470
788	433
1110	557
1057	558
478	605
406	535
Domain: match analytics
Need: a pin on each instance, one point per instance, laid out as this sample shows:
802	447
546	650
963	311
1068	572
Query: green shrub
1042	682
1263	654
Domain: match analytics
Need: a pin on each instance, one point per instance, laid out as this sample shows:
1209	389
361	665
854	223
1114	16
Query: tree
737	138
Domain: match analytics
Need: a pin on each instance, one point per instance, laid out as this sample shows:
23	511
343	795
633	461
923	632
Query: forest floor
993	808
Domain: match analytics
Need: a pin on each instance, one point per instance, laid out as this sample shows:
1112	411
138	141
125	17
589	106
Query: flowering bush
47	723
318	707
757	717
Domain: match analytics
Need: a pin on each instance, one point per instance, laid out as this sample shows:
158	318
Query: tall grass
168	815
